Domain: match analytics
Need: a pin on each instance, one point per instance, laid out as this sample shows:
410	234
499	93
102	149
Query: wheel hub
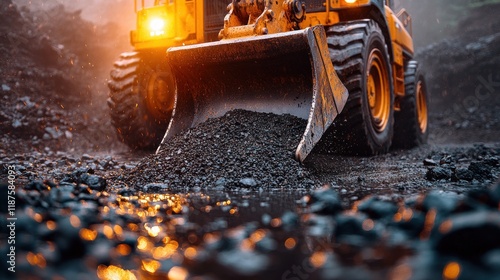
159	95
378	91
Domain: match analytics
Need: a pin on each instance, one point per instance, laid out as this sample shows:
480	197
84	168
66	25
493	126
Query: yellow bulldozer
346	66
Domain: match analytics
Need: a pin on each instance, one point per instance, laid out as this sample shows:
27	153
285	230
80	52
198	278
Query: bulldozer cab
168	23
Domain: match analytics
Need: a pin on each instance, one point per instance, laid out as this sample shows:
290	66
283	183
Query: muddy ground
89	208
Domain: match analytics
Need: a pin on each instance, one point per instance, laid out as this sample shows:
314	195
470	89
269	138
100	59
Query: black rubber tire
135	124
350	44
407	130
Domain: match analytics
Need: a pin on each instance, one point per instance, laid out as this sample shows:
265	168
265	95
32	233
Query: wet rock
356	230
479	199
125	191
468	235
492	161
481	171
155	187
289	221
325	201
221	183
36	185
377	209
68	134
266	245
248	183
438	173
443	203
86	157
430	162
411	223
128	166
463	174
94	182
53	132
266	219
254	263
63	193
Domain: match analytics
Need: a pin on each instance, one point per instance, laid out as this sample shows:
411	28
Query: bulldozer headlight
351	1
157	27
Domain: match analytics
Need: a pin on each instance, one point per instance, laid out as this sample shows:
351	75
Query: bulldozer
345	66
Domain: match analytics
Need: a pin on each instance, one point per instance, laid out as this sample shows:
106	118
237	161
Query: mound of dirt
240	149
54	69
463	80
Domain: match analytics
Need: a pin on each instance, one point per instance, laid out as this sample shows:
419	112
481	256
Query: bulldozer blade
283	73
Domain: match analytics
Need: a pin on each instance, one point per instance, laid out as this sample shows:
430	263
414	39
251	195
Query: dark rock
430	162
492	161
409	221
253	265
36	185
377	209
438	173
155	187
266	219
248	183
481	171
289	221
325	201
86	157
63	193
468	235
356	230
481	198
463	174
125	191
221	183
266	244
94	182
443	203
262	158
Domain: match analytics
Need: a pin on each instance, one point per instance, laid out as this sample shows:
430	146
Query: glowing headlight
156	27
350	1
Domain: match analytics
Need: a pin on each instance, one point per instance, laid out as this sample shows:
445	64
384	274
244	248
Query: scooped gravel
240	149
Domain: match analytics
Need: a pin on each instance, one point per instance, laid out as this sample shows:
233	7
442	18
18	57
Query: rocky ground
53	83
234	203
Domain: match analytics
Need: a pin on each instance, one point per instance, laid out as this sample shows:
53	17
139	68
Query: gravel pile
476	165
55	165
52	82
240	149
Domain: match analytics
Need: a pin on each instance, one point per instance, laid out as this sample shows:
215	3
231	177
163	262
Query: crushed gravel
240	149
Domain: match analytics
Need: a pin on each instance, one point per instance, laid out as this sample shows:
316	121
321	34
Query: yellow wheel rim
421	107
378	91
